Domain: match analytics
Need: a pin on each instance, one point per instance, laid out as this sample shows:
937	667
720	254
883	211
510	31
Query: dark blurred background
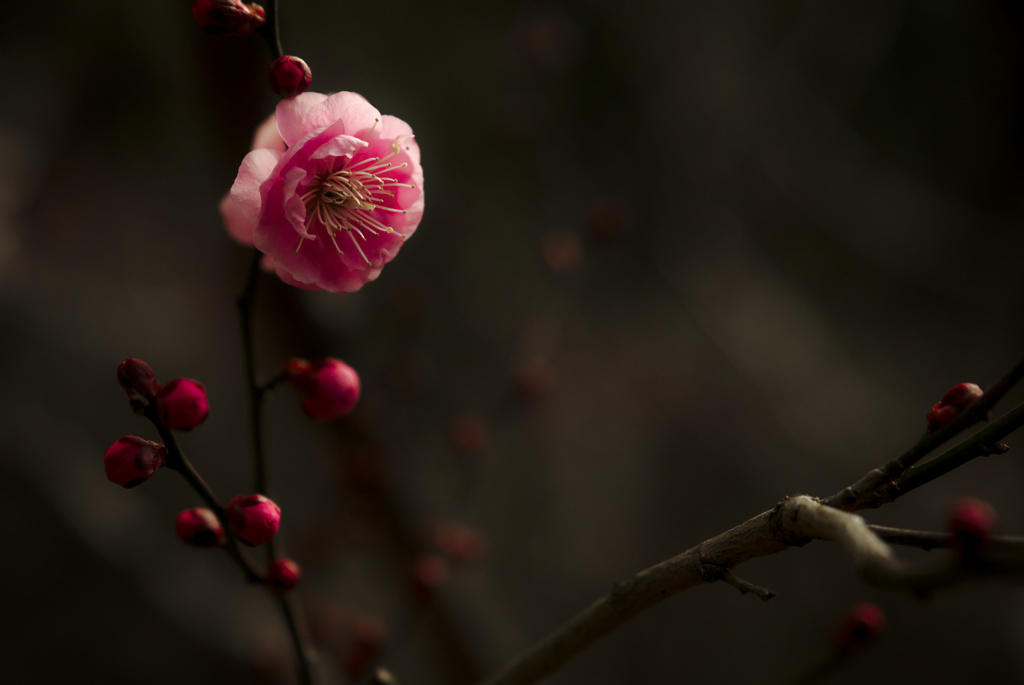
679	259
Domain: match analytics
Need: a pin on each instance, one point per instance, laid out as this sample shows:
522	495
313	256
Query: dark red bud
254	519
358	652
182	404
289	76
428	572
228	17
328	389
283	573
861	626
200	527
132	460
971	523
469	434
960	396
138	380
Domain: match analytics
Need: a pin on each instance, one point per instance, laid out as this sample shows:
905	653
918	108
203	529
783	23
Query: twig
176	461
271	32
982	443
861	495
753	538
874	560
746	587
304	654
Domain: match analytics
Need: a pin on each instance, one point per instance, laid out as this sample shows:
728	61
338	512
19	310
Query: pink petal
242	208
352	109
291	111
393	128
267	136
338	146
235	220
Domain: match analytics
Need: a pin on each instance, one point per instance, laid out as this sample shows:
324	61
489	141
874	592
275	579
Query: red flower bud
131	460
327	389
139	381
972	523
469	434
289	76
535	378
956	399
859	628
182	404
428	572
200	527
228	17
253	519
960	396
361	646
283	573
295	367
940	416
458	541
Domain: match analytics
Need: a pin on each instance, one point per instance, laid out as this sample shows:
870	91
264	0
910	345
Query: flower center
347	199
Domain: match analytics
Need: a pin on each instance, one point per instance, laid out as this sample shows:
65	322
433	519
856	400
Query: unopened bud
458	541
956	399
960	396
859	628
295	366
228	17
361	646
328	389
971	523
200	527
428	572
469	434
253	519
132	460
138	380
283	573
182	404
289	76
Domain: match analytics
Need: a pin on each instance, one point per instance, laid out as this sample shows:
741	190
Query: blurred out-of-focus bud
228	17
361	646
972	522
428	572
200	527
283	573
859	628
469	434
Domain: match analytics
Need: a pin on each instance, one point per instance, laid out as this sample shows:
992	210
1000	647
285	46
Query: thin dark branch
746	587
271	32
863	493
922	539
255	391
982	443
176	461
303	653
929	540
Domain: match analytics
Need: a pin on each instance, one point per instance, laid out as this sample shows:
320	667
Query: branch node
746	587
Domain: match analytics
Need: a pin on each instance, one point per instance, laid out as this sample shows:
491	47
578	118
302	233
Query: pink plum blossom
331	198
